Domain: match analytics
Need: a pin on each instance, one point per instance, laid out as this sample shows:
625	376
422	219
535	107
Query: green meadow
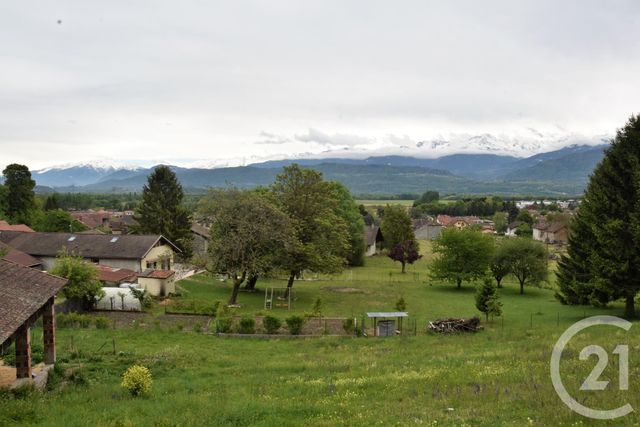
496	377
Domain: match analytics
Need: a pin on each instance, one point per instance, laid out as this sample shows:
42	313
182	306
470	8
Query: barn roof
86	245
371	235
23	291
200	230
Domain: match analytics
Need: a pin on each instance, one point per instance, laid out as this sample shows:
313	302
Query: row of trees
299	223
467	255
429	204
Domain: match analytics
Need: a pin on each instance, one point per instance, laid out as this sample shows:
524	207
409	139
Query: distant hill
561	172
573	167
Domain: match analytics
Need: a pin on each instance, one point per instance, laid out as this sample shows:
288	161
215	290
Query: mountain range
555	173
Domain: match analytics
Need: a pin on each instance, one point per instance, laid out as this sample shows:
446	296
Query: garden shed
384	322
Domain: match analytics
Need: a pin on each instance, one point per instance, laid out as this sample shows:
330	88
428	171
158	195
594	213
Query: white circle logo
592	382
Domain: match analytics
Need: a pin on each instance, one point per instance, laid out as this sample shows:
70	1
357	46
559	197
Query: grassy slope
496	377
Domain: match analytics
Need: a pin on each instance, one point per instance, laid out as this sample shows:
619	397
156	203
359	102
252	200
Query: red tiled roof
117	275
5	226
157	274
18	257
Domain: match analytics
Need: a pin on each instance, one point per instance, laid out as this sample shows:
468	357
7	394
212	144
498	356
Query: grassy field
496	377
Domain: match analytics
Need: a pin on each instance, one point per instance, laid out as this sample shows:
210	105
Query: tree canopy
396	226
347	209
83	285
249	235
322	235
528	260
462	255
19	201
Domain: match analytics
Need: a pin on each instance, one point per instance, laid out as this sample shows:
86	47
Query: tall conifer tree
604	253
161	210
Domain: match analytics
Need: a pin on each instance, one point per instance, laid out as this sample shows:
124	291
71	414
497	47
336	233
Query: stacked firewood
447	326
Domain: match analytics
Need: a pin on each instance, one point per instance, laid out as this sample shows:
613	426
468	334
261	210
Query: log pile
449	326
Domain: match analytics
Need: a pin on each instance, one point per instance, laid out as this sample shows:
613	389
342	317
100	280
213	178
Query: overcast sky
186	81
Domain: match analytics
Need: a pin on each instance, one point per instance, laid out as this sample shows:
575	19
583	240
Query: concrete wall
428	232
371	250
157	287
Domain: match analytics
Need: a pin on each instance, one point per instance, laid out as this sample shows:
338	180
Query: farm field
498	376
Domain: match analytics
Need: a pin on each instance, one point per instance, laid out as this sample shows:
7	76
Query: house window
151	264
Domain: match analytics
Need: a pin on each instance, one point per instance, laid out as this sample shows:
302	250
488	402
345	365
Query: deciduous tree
322	236
528	260
83	285
249	235
406	252
462	255
396	226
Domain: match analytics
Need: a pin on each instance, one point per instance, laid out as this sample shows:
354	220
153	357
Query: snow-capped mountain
82	173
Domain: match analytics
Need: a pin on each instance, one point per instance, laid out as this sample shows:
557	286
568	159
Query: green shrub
197	327
349	326
224	324
247	325
137	379
73	320
295	324
271	324
101	322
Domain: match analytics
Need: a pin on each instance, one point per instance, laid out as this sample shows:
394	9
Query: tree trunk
251	283
629	307
521	287
499	282
237	281
403	264
292	277
459	283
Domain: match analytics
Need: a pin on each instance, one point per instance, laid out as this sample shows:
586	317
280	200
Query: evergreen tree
51	203
162	212
488	299
574	268
611	210
19	197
